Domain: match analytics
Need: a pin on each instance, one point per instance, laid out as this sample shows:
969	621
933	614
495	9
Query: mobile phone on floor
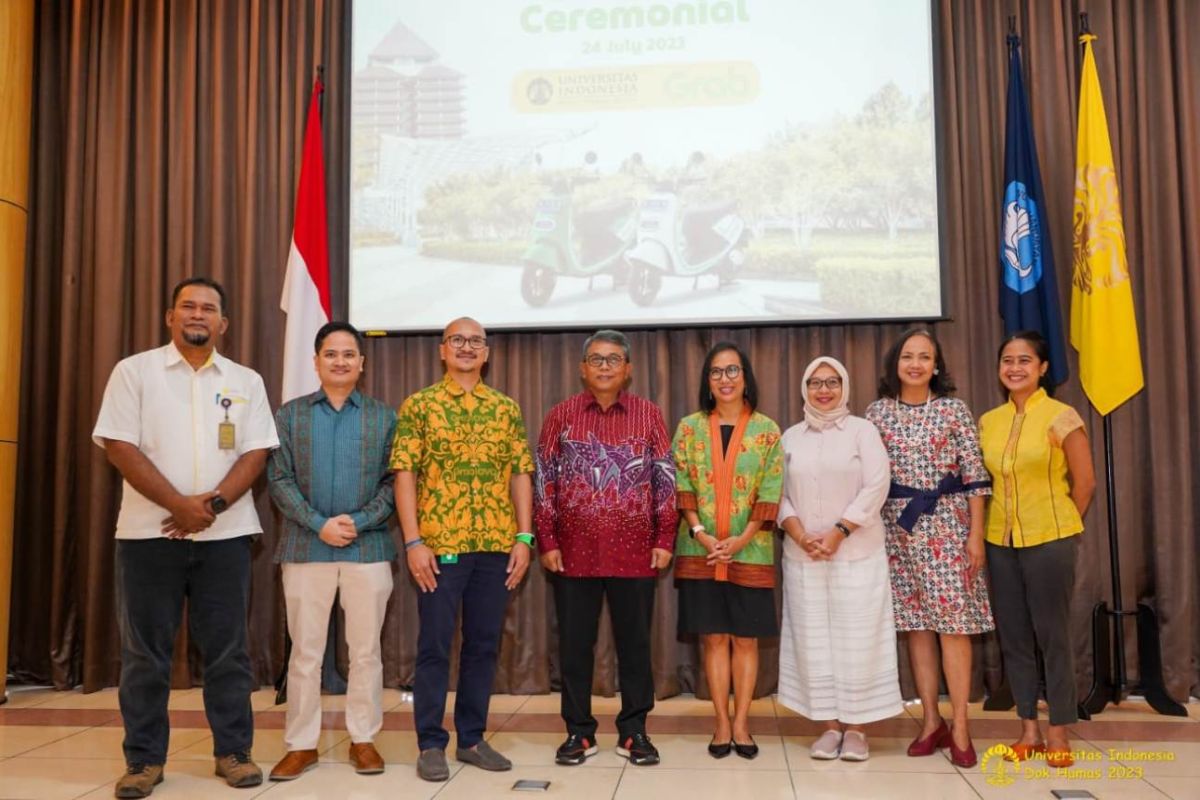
528	785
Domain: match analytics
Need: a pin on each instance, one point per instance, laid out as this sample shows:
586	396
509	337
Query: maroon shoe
932	743
965	758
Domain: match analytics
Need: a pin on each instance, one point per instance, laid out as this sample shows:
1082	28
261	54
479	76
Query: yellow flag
1103	326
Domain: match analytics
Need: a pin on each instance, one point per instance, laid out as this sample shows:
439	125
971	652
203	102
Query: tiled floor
68	745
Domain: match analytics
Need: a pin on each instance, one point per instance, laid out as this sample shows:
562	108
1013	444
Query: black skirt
708	606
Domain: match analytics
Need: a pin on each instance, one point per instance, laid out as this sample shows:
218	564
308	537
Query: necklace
907	410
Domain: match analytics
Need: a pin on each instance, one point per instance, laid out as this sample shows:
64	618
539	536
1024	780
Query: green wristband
527	538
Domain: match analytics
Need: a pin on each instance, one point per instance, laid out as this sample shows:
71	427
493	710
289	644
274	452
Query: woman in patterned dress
935	532
729	476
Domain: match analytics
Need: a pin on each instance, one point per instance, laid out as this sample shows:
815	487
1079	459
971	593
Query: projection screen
567	164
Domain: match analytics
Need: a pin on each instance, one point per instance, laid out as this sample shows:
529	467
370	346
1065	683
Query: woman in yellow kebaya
1037	452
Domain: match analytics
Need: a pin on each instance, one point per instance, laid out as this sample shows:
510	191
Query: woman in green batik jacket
729	476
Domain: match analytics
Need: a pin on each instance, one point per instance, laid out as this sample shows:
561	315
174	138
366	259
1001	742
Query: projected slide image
565	164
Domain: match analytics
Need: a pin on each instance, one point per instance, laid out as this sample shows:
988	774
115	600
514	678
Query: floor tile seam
620	777
92	789
86	728
454	773
1160	789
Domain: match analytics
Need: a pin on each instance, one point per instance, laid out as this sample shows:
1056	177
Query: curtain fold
167	140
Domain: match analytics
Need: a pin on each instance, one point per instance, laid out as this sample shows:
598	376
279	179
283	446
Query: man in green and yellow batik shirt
464	496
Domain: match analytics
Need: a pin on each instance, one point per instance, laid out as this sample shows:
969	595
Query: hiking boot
238	770
139	780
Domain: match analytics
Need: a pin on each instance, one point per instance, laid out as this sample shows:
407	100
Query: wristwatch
698	529
218	504
845	531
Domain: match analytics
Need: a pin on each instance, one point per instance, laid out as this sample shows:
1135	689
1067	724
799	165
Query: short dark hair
199	280
889	382
1041	348
337	326
610	336
707	401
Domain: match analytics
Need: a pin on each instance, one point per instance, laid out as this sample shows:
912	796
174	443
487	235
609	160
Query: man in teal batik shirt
330	480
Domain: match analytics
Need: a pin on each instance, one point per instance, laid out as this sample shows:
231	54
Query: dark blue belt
921	501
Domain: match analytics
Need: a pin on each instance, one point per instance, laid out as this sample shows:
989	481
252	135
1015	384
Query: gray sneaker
483	756
432	766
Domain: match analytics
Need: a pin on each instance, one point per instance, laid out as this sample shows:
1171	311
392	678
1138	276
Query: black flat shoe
719	750
746	750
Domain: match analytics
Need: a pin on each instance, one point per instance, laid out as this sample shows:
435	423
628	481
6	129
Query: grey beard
195	339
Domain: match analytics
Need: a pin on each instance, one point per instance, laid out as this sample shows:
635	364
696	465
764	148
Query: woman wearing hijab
837	651
728	471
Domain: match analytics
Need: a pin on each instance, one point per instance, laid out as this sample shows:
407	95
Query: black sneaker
637	748
575	750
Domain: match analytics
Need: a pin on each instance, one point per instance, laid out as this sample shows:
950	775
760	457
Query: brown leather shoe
239	770
139	780
365	758
294	764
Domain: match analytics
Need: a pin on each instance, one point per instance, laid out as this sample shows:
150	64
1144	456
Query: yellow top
465	447
1031	498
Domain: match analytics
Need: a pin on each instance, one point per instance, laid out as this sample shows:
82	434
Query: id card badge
448	558
226	432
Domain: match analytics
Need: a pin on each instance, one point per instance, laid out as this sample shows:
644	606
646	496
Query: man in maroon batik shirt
606	523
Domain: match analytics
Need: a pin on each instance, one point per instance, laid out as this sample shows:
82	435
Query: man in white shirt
190	431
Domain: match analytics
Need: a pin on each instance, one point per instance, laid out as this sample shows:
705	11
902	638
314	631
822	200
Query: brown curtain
167	141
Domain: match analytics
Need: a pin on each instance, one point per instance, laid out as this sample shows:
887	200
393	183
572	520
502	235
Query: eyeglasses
458	341
596	360
829	383
731	372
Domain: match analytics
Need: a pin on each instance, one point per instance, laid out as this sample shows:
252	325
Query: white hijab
815	417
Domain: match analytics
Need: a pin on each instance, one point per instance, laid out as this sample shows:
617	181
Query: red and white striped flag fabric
306	285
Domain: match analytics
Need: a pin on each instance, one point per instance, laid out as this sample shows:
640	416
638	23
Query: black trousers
631	607
1031	591
153	578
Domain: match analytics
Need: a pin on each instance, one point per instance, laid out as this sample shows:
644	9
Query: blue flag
1028	288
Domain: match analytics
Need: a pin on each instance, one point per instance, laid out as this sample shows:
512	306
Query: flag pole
332	680
1001	698
321	98
1109	673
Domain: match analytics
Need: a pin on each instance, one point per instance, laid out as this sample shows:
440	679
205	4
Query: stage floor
68	745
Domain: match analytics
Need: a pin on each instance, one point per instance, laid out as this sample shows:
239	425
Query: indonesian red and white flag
306	285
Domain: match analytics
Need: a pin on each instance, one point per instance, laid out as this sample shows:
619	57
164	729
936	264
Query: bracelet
845	531
413	543
526	539
698	529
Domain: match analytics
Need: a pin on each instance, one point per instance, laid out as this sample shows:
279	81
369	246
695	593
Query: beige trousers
309	590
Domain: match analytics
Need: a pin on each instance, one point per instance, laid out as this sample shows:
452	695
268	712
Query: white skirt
837	648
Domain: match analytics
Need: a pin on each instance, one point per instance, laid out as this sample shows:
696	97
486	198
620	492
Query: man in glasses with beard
189	430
